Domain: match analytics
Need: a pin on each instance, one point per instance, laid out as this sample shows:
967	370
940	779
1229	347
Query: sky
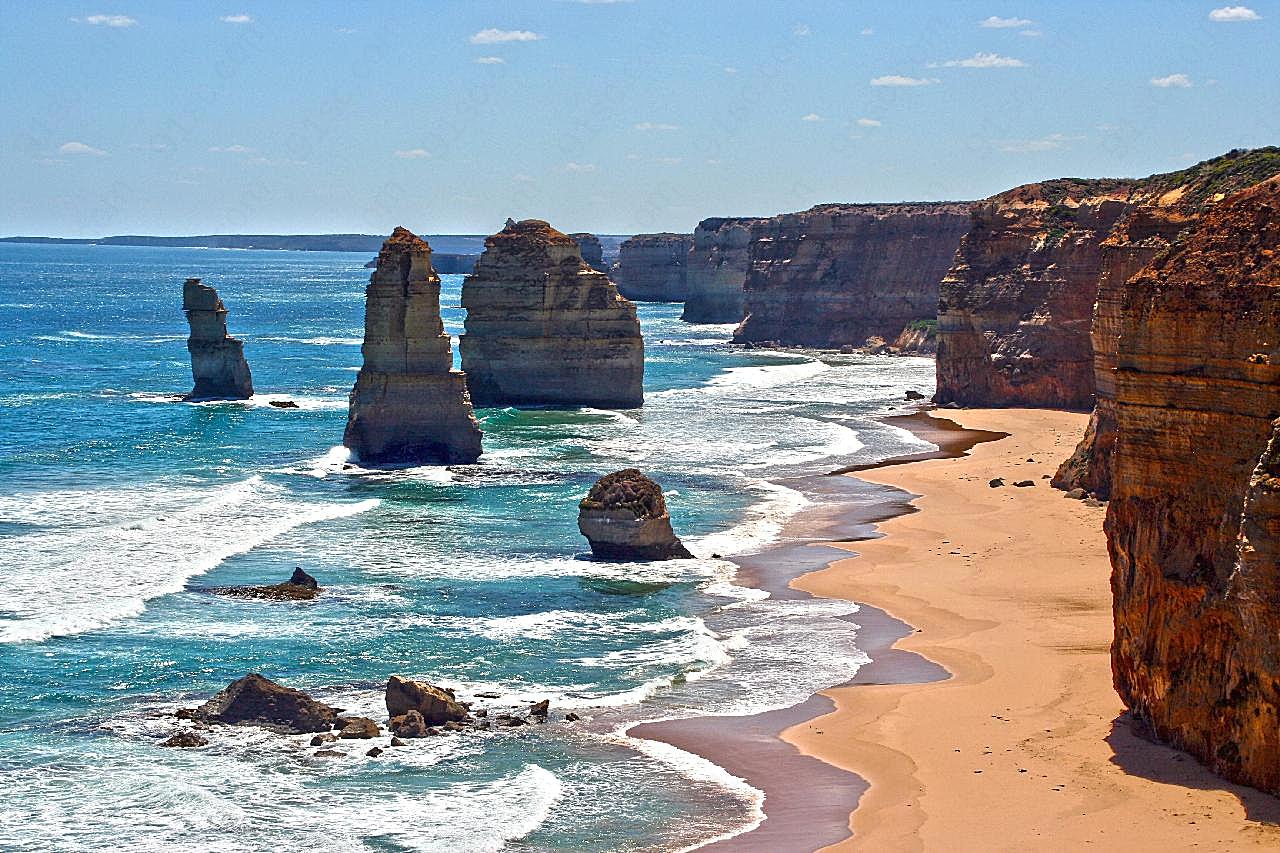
614	116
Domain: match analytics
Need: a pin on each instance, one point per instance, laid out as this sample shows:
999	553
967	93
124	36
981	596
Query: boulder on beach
300	587
258	701
625	517
437	705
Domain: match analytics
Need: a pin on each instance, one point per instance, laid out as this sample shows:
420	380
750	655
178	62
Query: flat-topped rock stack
651	267
409	405
544	328
592	251
217	359
717	270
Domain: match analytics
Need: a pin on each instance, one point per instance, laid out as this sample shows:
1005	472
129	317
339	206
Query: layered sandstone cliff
1193	526
717	271
839	274
592	251
543	328
409	405
217	359
651	267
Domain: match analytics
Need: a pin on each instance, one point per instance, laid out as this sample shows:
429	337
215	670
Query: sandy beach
1024	746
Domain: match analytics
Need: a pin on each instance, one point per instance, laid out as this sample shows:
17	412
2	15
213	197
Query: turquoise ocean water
121	507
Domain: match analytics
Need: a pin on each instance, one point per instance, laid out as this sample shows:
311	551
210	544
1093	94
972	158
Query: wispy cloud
729	69
811	117
488	60
801	31
868	122
107	21
1231	14
79	148
669	161
998	23
867	31
495	36
899	80
237	19
413	154
1030	33
231	149
1046	143
1173	81
655	125
984	60
579	167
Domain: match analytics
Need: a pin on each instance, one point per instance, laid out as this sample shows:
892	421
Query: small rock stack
625	517
217	359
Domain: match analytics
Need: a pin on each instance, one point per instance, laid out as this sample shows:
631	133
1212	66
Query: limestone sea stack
625	517
409	405
717	271
1193	526
592	251
544	328
651	267
217	359
840	275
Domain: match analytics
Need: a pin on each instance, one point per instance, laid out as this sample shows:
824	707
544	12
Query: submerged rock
185	739
625	517
217	359
544	328
436	705
300	587
258	701
409	406
282	404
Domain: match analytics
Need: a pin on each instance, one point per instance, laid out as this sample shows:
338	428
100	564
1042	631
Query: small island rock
437	705
217	359
625	517
258	701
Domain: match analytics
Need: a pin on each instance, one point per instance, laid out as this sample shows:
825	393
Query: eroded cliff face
592	251
717	271
544	328
409	406
837	275
217	359
651	267
1193	526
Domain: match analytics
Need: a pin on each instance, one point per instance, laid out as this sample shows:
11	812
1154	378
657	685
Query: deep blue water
122	507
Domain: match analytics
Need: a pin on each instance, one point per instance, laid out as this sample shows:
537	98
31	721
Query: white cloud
1047	143
580	167
986	60
867	31
868	122
1230	14
1030	33
237	19
899	80
729	69
80	148
489	60
231	149
413	154
801	31
107	20
996	22
811	117
1173	81
669	161
496	36
652	125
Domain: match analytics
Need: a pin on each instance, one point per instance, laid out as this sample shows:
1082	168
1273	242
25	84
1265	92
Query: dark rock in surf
258	701
185	739
300	587
436	704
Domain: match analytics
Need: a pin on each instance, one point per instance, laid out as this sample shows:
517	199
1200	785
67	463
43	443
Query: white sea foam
108	553
762	523
316	340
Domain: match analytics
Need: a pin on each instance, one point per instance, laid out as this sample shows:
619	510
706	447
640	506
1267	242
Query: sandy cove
1024	747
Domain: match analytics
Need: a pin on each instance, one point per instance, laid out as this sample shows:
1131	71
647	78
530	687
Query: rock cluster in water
258	701
544	328
625	517
409	405
300	587
717	270
217	359
840	274
651	267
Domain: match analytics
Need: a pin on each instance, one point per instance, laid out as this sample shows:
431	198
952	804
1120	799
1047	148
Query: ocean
123	507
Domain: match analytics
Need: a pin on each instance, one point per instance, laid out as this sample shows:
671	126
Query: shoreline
751	747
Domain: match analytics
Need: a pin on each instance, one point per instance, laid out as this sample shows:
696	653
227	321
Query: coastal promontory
544	328
409	406
217	359
717	271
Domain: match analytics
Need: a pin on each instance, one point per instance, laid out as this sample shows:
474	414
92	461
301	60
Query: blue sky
131	116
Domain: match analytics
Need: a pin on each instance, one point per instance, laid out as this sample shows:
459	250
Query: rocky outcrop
1193	526
717	271
1163	208
838	274
651	267
543	328
300	587
409	405
592	251
625	517
436	705
257	701
217	359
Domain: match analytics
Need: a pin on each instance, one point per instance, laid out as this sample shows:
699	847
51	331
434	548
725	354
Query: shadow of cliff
1138	755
